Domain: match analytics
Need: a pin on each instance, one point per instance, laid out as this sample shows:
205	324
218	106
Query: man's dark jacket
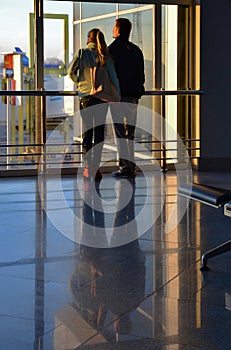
129	66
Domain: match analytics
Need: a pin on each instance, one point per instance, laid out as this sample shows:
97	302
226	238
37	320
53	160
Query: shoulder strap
90	58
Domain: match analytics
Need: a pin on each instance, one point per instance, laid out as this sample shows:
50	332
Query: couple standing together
125	64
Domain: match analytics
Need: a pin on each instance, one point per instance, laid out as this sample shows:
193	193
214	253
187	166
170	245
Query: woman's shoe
86	172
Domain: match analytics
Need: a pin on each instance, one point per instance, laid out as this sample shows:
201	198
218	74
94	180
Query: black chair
215	197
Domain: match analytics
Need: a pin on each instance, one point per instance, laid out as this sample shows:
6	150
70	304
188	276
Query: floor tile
59	294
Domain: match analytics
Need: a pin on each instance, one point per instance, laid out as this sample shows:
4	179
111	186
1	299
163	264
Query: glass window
128	6
13	110
53	32
96	9
14	25
105	25
142	35
176	64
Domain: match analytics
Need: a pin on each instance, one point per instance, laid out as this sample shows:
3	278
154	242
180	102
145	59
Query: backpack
102	86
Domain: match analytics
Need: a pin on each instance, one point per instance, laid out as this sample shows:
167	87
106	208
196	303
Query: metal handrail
37	93
159	92
75	93
173	92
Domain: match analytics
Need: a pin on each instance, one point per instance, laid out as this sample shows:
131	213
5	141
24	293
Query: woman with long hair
102	48
93	119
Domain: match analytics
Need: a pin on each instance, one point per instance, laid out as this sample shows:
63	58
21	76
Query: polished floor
116	266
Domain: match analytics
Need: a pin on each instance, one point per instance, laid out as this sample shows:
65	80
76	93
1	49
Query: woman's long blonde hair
102	48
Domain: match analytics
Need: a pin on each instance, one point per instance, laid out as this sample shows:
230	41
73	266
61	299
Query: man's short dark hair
124	26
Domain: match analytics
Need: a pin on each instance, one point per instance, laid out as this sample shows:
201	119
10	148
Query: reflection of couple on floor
109	281
124	226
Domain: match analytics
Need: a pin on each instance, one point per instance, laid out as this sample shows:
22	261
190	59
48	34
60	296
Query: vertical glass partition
171	65
18	114
168	34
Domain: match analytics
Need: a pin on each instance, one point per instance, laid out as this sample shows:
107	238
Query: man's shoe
98	175
123	173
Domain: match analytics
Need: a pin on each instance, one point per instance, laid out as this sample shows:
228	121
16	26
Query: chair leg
223	248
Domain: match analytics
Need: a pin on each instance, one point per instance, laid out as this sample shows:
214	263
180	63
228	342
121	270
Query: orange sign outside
8	61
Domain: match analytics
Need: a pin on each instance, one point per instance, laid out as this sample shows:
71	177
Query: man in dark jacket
129	65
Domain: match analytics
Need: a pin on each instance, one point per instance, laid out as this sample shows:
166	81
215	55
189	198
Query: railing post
163	133
44	134
39	74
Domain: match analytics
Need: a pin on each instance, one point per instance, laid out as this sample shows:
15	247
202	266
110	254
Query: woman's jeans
93	113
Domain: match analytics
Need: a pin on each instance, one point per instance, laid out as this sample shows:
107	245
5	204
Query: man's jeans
124	116
93	121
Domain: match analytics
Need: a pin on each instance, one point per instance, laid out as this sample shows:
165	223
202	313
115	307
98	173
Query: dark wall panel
216	82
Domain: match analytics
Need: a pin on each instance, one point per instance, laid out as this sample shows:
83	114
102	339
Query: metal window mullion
113	14
39	74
